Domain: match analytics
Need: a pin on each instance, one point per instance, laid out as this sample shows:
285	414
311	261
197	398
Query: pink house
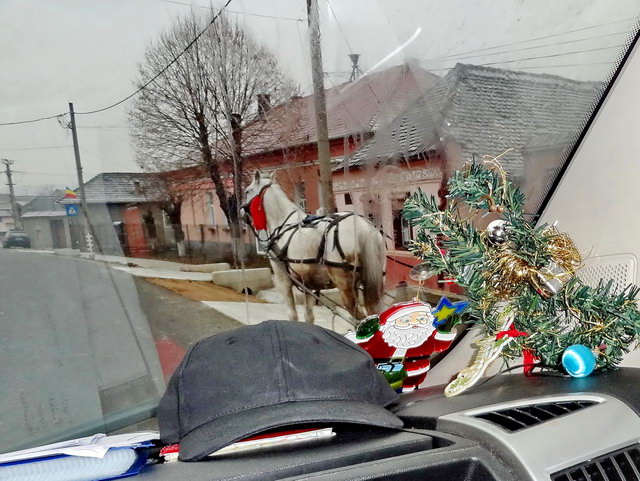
402	129
283	139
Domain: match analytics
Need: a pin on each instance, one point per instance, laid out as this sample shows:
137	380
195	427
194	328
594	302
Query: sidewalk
165	273
251	313
140	267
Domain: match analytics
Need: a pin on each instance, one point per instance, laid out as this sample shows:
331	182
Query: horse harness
310	221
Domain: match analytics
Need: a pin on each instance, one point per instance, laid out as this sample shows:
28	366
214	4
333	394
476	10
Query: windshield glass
152	149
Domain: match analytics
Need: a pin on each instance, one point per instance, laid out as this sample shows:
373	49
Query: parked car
16	239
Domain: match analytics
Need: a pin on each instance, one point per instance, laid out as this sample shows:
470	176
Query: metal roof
119	188
486	111
44	206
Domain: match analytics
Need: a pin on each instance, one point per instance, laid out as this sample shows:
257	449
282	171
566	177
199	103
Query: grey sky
86	51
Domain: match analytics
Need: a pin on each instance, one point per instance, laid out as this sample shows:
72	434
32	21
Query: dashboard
542	428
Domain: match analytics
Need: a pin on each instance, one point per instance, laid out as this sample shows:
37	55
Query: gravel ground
173	316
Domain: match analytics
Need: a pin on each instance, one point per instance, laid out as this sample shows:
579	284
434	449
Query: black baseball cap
274	374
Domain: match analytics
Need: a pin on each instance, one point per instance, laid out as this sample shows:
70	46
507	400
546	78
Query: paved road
82	344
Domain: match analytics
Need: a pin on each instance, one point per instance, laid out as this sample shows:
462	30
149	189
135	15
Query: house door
57	234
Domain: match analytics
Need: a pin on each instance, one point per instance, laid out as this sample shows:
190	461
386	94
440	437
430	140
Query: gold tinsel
563	251
507	272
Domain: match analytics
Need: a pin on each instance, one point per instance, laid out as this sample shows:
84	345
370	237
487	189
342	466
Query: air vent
621	465
522	417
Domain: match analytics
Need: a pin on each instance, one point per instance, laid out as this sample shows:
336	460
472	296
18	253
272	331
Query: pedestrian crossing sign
72	209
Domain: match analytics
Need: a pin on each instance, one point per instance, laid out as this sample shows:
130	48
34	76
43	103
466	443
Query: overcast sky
86	51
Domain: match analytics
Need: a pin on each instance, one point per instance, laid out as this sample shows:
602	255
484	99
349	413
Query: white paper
95	446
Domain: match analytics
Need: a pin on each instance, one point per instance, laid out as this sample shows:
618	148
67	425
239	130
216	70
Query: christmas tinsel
512	272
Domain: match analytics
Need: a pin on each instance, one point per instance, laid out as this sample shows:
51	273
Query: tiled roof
44	206
352	108
119	188
485	111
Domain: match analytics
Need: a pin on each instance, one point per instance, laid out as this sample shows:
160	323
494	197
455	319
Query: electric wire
164	69
452	57
39	148
237	11
553	55
503	52
31	121
139	89
519	42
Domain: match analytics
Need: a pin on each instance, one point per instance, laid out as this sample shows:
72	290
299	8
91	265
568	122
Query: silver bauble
497	232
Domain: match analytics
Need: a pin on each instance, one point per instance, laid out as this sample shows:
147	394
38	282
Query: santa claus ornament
402	338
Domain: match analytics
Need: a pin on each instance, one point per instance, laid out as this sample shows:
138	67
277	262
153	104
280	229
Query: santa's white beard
405	338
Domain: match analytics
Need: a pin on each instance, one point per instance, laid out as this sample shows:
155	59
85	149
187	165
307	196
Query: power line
531	39
532	66
553	55
41	148
163	70
103	127
340	26
566	65
30	121
236	11
137	91
28	172
452	56
533	47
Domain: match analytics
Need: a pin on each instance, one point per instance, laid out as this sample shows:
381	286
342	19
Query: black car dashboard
510	428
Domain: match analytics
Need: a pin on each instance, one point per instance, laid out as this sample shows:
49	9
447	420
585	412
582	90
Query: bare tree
171	189
196	113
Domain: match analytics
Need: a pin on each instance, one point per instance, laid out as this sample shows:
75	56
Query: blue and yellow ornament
446	308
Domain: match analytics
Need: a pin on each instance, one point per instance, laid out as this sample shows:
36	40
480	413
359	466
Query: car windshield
152	151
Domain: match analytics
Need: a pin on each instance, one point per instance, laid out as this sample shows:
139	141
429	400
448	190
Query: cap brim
226	430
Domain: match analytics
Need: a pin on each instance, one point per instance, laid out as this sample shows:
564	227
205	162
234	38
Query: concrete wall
39	231
106	219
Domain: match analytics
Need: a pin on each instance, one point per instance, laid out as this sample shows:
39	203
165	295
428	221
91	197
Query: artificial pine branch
606	322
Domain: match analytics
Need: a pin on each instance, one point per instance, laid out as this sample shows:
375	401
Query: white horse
321	254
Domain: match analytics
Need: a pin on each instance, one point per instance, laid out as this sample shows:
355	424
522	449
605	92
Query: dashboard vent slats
620	465
521	417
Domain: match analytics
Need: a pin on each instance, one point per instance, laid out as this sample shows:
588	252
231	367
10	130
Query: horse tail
372	265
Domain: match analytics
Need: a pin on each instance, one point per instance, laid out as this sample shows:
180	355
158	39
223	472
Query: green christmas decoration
368	327
519	278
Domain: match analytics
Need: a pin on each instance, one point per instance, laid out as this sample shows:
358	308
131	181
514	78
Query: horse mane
277	189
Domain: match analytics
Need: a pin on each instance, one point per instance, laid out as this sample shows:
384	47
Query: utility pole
83	197
17	224
327	200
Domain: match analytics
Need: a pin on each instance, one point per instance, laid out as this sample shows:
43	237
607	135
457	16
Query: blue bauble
578	360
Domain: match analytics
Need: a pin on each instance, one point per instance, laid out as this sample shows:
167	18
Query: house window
371	205
347	199
402	230
299	196
211	213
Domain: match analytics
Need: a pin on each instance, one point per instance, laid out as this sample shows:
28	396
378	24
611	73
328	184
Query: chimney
264	104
